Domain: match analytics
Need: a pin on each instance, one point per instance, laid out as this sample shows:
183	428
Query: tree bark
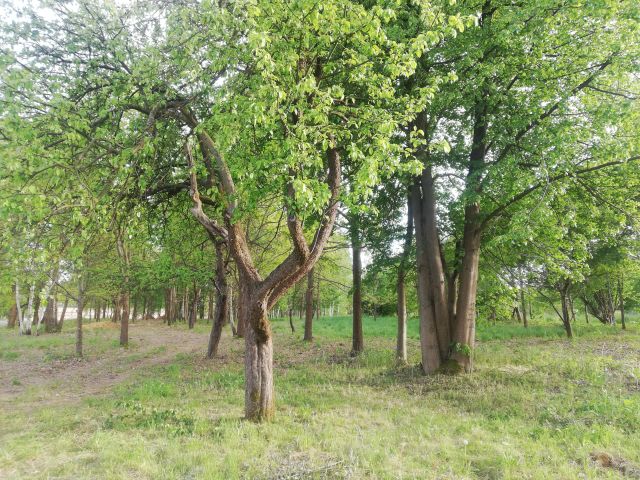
308	299
621	301
12	317
124	320
222	307
401	344
64	312
358	337
523	302
429	347
79	314
464	335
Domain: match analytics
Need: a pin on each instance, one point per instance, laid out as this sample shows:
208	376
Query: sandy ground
53	381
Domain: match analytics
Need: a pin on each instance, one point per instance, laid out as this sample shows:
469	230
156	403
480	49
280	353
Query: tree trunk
401	344
464	336
523	302
49	317
62	315
429	346
79	313
293	328
27	316
193	310
124	320
566	316
222	307
621	301
36	308
210	309
12	317
437	282
258	360
358	338
19	315
134	314
308	300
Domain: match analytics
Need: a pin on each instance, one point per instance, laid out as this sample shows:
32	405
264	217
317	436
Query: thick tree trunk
124	320
429	346
210	309
436	273
308	300
49	316
222	307
358	337
464	335
258	359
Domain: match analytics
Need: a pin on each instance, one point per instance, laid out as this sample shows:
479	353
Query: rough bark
523	302
401	344
357	345
464	335
308	301
429	347
222	298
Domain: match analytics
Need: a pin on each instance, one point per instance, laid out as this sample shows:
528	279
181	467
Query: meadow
538	406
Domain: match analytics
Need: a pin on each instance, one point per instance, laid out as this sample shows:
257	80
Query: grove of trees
239	161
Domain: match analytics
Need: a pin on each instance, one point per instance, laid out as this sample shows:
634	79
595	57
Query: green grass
536	407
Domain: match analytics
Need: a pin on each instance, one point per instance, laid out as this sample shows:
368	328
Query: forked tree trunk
308	300
357	345
437	281
124	320
222	300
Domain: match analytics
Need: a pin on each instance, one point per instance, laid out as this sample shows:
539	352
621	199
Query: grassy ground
537	406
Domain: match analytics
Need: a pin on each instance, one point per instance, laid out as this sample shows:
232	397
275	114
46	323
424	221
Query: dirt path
50	382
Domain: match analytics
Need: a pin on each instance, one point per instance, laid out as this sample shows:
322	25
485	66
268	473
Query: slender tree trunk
621	301
27	317
358	337
12	318
36	308
566	318
401	344
124	320
79	314
222	307
62	315
308	299
523	302
193	311
19	316
134	314
293	328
